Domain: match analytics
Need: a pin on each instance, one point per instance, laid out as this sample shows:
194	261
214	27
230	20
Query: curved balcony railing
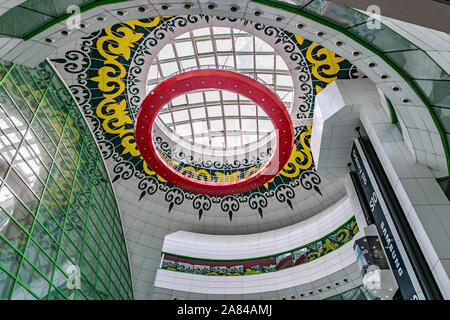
241	267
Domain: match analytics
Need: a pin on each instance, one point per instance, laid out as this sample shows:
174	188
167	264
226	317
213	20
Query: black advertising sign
393	254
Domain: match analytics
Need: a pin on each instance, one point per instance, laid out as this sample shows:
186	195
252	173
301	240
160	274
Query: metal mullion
33	79
40	202
47	130
29	89
60	189
101	222
56	100
33	173
64	148
158	65
36	137
8	71
233	46
83	137
51	215
114	235
23	98
81	190
240	120
9	242
208	123
17	280
213	43
190	124
78	165
4	268
33	155
36	268
53	112
65	179
21	141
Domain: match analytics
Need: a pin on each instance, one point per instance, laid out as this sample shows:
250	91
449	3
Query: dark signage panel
393	254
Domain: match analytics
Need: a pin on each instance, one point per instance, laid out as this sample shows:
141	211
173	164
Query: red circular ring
214	79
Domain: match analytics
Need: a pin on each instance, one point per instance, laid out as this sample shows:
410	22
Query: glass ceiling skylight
213	118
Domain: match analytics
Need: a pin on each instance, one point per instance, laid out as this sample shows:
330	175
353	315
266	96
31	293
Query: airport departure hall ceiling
111	71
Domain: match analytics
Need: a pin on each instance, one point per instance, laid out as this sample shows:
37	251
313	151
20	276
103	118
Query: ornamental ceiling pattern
107	71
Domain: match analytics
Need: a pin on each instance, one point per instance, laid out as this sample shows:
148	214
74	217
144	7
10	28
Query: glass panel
10	258
38	258
201	32
216	125
224	45
198	113
344	17
169	68
20	293
264	62
181	115
33	280
166	53
225	61
418	65
248	110
438	92
383	39
280	64
196	97
179	101
444	115
215	111
6	285
11	22
212	96
244	62
206	46
184	49
243	44
200	127
249	125
262	46
9	229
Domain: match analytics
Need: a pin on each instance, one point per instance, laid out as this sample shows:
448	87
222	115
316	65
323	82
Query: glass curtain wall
60	231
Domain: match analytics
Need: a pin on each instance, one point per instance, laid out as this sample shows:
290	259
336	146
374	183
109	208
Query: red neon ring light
214	79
